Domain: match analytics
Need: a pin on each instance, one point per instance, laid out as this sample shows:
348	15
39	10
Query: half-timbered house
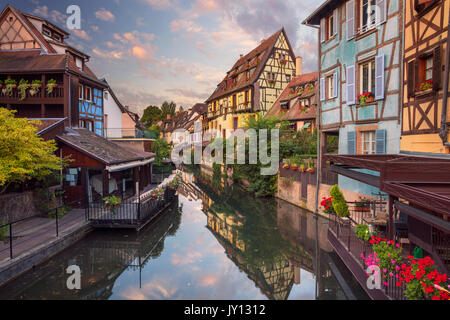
252	85
44	78
360	44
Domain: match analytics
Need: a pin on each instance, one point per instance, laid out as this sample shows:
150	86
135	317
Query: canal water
222	245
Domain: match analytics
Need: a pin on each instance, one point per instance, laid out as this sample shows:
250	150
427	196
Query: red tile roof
295	112
19	61
245	63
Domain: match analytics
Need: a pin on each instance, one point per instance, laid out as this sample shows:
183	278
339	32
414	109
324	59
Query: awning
125	166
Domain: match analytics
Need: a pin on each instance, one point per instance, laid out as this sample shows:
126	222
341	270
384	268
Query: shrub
339	203
388	252
362	232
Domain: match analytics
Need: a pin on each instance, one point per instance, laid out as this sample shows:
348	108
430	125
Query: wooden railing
58	92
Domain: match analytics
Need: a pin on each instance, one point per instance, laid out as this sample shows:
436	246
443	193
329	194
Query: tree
152	114
23	154
168	108
162	151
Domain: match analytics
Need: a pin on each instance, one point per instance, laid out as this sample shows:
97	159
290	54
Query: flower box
366	98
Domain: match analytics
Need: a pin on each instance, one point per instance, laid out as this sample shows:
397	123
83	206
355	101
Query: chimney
299	66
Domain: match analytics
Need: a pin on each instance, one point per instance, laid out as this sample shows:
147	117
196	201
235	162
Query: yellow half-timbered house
252	85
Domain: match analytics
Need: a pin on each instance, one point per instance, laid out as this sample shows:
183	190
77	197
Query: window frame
371	141
329	87
371	76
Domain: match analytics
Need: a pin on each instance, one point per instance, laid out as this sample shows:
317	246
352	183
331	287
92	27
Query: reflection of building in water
102	257
299	227
274	280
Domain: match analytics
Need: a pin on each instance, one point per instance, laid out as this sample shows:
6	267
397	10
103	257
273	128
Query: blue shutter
380	141
379	77
351	85
351	142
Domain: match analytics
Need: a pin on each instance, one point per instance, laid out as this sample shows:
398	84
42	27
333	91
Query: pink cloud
105	15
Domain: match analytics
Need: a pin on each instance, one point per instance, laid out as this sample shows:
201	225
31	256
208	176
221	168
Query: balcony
42	97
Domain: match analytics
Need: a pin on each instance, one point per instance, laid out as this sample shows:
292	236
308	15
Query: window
368	142
246	97
46	32
88	94
330	87
234	101
367	14
87	124
367	77
235	123
72	177
57	37
106	95
288	78
80	92
330	27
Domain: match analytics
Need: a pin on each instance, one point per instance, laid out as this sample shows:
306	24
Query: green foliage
414	291
36	86
9	86
168	108
387	253
23	87
156	129
339	203
51	84
162	150
362	232
152	114
298	143
23	154
4	232
217	176
112	203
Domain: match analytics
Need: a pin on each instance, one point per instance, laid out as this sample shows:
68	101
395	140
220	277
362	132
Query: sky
151	51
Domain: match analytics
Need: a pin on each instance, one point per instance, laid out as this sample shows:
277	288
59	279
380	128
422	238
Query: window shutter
380	141
350	9
322	89
379	77
322	30
437	69
411	79
381	11
351	85
335	21
335	85
351	142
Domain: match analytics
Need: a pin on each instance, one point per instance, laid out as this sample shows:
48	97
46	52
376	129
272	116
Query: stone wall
16	206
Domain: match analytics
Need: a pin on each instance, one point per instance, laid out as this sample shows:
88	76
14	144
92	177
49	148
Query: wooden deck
34	232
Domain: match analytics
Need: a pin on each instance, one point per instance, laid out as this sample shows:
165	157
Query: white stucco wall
113	127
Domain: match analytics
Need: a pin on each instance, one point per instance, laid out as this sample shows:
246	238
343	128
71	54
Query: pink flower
386	284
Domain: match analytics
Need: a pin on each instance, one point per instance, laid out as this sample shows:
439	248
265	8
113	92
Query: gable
14	35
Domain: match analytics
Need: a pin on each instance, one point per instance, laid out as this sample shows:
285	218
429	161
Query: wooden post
136	180
105	183
391	218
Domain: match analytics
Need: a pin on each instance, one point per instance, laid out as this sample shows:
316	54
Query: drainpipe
443	132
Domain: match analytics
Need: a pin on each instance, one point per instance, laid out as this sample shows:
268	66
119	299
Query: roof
113	95
255	60
64	32
326	8
295	112
99	148
32	60
46	124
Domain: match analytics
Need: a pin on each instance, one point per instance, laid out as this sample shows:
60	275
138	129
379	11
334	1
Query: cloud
105	15
108	54
184	25
54	15
159	4
81	34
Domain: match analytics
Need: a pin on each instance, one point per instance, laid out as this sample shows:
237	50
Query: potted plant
294	165
286	164
23	87
10	84
363	205
326	205
36	86
426	85
362	232
303	168
51	84
339	203
311	166
112	203
365	98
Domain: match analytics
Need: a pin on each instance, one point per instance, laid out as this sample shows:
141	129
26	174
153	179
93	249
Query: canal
222	245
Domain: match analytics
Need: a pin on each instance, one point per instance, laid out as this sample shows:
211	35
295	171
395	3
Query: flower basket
294	167
311	170
425	86
365	98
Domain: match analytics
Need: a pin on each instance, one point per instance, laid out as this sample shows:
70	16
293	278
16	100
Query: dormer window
57	37
47	33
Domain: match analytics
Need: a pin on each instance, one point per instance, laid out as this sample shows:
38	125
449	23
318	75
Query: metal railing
28	233
128	213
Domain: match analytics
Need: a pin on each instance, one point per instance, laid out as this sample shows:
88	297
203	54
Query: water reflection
211	244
